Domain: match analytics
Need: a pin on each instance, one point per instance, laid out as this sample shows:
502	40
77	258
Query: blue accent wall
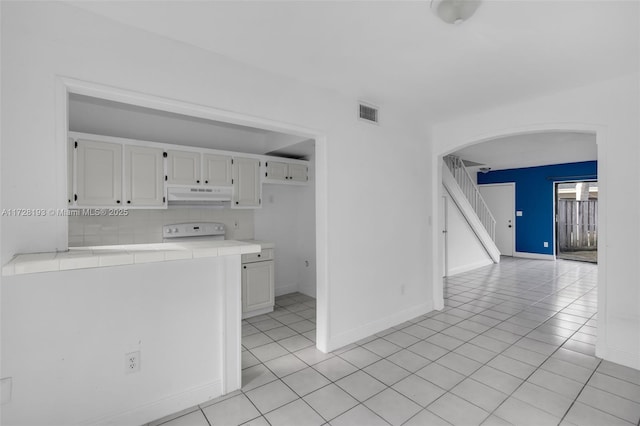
535	198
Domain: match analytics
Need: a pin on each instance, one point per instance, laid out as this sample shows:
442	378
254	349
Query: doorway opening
577	220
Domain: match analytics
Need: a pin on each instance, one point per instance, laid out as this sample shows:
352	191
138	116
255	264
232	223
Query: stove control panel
193	229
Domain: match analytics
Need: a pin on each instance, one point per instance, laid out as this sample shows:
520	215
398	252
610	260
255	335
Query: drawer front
265	254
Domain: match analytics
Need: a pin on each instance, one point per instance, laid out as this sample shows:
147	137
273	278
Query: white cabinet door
183	167
257	286
246	183
216	170
277	170
143	176
70	163
98	173
298	173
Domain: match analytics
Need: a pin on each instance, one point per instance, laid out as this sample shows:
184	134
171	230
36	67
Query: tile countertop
116	255
263	244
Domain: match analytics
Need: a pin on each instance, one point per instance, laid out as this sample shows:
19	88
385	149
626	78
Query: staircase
466	195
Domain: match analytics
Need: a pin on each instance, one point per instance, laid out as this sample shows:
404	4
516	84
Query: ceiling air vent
369	113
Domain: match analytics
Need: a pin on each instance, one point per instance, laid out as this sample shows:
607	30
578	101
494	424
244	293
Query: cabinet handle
128	201
259	255
118	201
245	267
198	181
206	181
237	203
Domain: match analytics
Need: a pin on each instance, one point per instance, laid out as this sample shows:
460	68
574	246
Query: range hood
198	195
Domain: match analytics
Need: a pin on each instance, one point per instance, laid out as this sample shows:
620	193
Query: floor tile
524	355
360	357
302	326
234	410
610	403
258	421
168	420
295	343
359	415
285	365
382	347
479	394
306	381
195	418
444	341
387	372
256	340
428	350
459	363
441	376
583	415
296	413
248	360
255	376
330	401
392	406
490	344
426	417
497	379
457	411
408	360
615	386
280	333
475	353
271	396
556	383
511	366
418	390
419	331
551	402
360	385
620	372
269	351
572	371
496	421
401	339
520	413
267	324
334	368
312	356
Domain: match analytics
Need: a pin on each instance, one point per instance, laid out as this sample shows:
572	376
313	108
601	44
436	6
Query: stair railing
471	191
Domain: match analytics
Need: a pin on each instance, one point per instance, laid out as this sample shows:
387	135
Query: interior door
501	200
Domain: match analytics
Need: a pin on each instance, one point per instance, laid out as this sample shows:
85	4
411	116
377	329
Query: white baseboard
469	267
286	289
308	291
538	256
350	336
161	408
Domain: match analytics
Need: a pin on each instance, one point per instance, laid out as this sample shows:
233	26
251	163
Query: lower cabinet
257	283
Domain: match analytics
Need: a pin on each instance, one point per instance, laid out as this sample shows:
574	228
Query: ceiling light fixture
454	11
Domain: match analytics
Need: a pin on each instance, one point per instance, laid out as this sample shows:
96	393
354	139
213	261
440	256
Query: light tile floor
514	345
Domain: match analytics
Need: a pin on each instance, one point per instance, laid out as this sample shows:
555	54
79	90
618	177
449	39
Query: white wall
287	218
366	174
611	109
464	251
145	226
65	336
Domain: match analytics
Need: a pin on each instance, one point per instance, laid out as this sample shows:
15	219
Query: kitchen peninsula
176	305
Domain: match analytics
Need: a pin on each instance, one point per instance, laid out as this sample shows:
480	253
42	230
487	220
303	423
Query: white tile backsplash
145	226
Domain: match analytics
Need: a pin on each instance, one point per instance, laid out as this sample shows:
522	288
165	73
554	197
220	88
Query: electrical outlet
132	362
546	244
236	224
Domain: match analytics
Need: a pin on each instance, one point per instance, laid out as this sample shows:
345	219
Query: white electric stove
193	231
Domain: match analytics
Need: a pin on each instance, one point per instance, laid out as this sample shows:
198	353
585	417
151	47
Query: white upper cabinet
98	173
216	170
298	172
143	176
183	167
283	172
246	183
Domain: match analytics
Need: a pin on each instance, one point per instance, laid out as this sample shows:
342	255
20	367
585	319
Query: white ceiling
399	52
102	117
533	149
